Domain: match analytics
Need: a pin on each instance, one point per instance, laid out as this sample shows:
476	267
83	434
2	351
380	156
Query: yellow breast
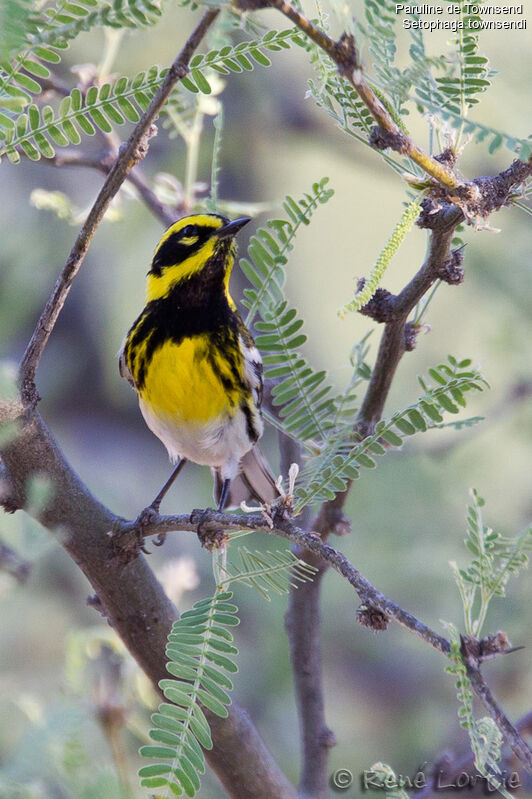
189	382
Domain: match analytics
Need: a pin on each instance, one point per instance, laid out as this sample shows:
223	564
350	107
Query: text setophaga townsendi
194	364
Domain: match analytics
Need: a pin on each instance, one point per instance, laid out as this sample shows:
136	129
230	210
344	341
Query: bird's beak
232	228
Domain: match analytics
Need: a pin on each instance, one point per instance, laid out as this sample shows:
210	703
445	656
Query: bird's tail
255	481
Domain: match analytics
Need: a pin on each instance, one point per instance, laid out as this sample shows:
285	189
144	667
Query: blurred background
68	689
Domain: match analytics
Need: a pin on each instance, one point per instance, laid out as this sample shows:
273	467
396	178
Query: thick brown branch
130	154
304	625
134	601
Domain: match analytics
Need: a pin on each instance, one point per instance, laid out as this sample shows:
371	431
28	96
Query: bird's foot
210	534
127	540
144	519
128	537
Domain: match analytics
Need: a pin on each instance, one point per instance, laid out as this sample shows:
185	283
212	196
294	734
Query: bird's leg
223	494
155	505
147	514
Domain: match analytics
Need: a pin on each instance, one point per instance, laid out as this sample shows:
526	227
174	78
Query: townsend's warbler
194	364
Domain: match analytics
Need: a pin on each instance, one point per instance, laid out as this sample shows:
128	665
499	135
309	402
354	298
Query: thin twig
345	56
509	732
448	768
103	163
126	535
130	154
12	563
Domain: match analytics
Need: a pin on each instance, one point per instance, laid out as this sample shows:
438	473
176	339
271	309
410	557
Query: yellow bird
194	364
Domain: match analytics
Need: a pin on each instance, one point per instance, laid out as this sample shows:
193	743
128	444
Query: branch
393	345
345	55
130	154
103	163
131	597
447	768
484	693
13	564
376	611
126	539
303	626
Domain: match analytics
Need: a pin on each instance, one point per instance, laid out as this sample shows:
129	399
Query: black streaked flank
251	430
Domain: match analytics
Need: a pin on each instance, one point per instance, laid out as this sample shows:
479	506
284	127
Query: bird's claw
127	546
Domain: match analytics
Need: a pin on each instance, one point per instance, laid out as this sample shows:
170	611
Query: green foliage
495	559
341	459
371	285
469	76
200	655
379	30
275	572
484	735
39	37
240	58
38	131
302	397
341	102
14	16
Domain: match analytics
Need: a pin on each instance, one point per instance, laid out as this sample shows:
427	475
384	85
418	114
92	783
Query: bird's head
193	246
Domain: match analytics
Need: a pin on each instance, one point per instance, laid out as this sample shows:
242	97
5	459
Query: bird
194	364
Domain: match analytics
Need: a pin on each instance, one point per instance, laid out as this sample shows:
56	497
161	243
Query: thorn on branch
94	601
327	738
381	139
370	616
475	650
380	307
13	564
452	271
410	334
447	157
143	146
346	55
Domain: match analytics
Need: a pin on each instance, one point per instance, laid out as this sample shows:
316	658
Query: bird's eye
189	230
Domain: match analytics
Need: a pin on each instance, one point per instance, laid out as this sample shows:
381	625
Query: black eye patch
173	251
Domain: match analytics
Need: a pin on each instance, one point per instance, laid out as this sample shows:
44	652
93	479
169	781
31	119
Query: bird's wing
252	368
123	367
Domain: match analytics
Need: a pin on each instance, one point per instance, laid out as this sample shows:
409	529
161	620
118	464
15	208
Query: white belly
220	442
